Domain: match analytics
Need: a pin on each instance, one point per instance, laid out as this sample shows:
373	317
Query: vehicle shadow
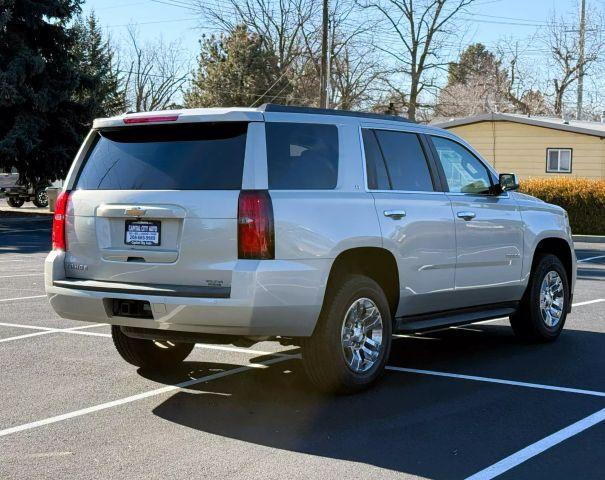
423	425
25	235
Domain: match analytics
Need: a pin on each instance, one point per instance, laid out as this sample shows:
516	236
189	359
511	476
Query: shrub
583	199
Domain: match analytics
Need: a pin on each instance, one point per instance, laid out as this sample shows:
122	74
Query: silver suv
325	229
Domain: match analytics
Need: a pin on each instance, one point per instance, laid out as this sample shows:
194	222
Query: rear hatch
157	205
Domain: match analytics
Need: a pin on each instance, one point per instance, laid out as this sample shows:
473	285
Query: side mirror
508	182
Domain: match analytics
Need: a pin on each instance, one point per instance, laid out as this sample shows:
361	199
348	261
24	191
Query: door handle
395	214
466	215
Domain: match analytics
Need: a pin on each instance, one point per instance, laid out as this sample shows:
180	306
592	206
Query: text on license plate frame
142	241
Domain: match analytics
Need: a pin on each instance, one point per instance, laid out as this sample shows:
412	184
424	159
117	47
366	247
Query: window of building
558	160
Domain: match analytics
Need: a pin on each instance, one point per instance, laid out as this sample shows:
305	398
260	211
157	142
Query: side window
463	171
406	164
302	156
376	170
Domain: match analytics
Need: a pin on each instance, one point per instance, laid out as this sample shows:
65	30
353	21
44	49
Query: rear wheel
15	202
543	310
41	198
150	354
352	340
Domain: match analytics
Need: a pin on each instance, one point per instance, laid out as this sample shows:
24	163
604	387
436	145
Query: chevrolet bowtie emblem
134	212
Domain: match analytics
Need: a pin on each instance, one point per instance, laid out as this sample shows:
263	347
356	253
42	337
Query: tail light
58	234
255	232
151	119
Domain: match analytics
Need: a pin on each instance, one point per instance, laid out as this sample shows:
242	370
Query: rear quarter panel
321	224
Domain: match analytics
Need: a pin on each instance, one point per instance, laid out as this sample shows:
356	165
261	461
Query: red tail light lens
151	119
255	233
58	234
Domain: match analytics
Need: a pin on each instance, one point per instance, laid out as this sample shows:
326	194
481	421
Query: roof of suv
232	114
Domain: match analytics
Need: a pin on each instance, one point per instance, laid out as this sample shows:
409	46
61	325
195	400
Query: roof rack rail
274	107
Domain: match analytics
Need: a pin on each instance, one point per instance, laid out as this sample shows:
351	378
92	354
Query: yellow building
535	146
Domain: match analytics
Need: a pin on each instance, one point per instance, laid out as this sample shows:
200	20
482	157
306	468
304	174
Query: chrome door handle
395	214
466	215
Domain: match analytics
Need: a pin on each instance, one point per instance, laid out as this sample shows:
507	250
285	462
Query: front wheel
149	354
544	307
352	340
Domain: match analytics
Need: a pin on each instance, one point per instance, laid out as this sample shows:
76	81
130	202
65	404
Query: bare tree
280	23
524	87
420	26
355	68
156	74
562	41
292	29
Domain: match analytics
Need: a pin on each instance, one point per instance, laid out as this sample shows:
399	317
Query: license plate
143	232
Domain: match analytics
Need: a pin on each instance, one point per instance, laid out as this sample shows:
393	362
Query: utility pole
581	59
323	81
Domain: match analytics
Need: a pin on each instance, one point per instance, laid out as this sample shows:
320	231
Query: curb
589	238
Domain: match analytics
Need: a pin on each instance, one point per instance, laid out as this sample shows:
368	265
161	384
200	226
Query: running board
449	319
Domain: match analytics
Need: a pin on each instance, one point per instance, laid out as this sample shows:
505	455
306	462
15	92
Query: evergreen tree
236	69
100	91
475	61
40	119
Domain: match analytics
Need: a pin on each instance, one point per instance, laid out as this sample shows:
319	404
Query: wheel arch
558	247
375	262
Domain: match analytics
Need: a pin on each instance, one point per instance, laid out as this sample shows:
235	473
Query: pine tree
40	119
476	60
100	93
236	69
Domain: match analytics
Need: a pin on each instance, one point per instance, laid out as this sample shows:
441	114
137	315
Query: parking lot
455	403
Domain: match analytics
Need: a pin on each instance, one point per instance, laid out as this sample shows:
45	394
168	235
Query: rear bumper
267	298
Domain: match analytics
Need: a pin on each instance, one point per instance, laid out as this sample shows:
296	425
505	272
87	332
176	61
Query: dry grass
583	199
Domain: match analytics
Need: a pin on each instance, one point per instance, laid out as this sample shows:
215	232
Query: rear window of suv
196	156
302	156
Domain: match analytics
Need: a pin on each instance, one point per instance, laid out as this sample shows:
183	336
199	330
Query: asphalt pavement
456	403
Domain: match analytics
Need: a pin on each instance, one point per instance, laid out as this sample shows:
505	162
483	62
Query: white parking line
501	381
47	330
589	302
140	396
538	447
20	325
21	298
591	258
22	275
79	331
27	335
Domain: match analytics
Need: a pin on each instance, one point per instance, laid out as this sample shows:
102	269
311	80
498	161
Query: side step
448	319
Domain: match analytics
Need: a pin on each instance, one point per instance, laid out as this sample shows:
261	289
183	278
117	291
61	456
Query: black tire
41	198
323	353
15	202
147	354
528	322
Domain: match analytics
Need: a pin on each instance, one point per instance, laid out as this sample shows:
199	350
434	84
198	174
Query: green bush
583	199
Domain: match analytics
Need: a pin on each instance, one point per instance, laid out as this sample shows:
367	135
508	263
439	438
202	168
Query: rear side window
196	156
405	161
378	177
302	156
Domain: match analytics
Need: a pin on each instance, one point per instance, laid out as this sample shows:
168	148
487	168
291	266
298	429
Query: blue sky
490	20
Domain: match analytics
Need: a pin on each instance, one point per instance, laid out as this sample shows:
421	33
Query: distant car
17	195
329	230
